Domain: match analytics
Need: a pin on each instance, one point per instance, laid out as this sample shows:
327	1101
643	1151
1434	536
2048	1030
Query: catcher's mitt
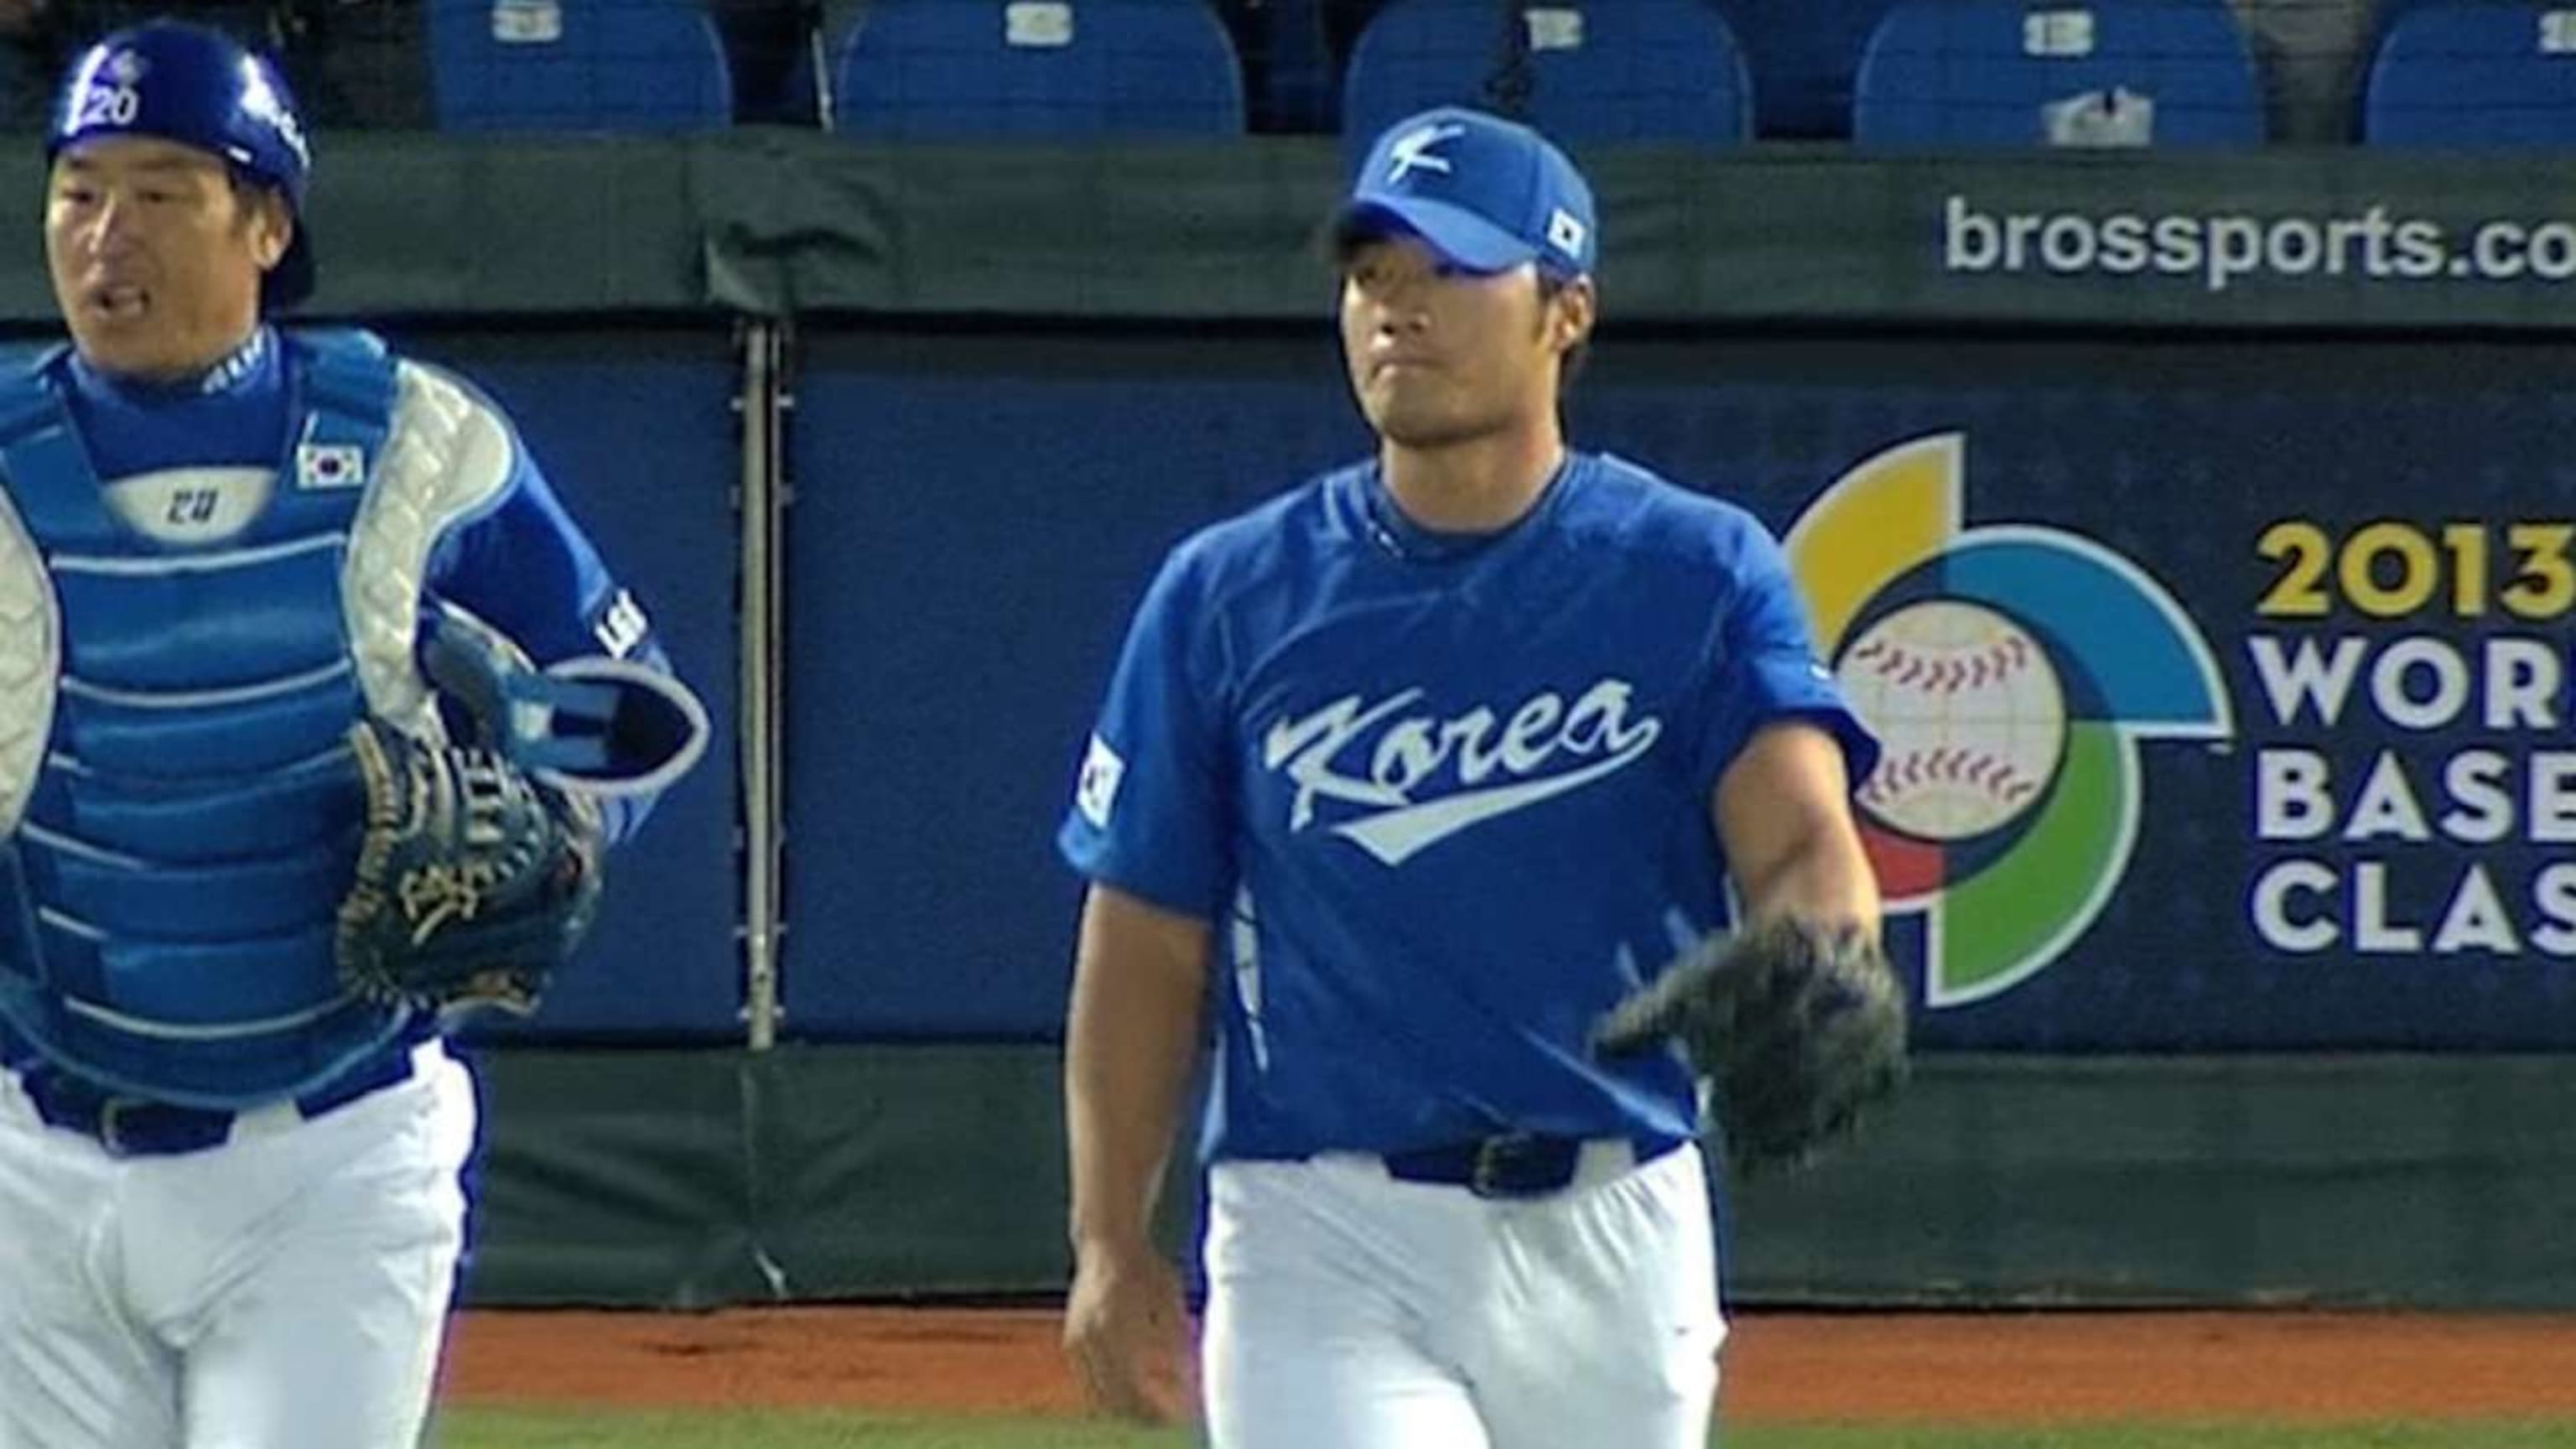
1797	1028
474	882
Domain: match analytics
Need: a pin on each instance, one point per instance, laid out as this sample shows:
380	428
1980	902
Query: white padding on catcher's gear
447	457
31	632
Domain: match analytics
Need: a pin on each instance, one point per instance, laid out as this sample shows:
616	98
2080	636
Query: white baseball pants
285	1290
1349	1310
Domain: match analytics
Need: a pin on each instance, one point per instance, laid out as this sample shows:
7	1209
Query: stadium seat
1608	70
970	69
2000	73
2474	75
576	65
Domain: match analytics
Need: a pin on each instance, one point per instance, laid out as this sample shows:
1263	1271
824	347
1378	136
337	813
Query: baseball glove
474	882
1798	1029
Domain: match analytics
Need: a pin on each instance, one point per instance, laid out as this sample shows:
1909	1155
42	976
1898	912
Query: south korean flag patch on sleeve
1095	794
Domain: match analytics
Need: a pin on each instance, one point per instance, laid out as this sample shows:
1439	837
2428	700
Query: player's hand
1124	1332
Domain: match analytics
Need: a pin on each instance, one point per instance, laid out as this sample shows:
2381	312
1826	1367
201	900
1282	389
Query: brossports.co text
2220	249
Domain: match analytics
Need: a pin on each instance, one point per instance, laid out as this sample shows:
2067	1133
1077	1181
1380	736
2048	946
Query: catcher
276	802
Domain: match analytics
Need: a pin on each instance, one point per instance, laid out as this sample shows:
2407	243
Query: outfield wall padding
690	1179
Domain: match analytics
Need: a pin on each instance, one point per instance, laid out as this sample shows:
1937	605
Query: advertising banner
2225	691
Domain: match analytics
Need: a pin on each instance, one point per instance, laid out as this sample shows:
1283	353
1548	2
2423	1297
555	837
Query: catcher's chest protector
171	761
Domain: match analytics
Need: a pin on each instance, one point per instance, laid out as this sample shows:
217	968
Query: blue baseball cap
1486	193
199	87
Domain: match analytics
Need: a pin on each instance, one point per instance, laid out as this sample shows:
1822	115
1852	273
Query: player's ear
1571	313
269	221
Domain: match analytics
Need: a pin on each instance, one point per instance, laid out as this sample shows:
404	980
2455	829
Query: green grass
588	1429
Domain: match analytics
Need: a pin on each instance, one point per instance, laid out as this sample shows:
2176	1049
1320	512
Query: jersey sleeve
1764	667
524	566
1152	801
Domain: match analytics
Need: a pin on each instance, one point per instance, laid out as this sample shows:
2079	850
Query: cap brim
1464	238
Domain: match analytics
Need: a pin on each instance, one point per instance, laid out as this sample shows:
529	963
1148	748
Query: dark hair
249	191
1550	287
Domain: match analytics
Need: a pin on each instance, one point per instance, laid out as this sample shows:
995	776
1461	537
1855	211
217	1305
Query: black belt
141	1127
1515	1164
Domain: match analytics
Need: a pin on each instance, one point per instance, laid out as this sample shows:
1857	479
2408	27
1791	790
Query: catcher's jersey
1444	799
209	584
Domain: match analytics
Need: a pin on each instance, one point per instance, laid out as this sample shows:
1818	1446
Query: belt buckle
1493	1154
109	1112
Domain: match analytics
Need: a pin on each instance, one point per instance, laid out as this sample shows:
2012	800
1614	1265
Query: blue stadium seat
2474	75
1609	70
967	69
2001	73
576	65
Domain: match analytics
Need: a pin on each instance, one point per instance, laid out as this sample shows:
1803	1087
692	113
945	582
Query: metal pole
818	54
763	504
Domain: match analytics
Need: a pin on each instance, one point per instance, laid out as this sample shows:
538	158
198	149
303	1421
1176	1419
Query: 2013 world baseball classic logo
2012	672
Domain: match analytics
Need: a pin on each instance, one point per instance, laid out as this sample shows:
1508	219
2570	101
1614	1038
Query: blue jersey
206	586
1444	799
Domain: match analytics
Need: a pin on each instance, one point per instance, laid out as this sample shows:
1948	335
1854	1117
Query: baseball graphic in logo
1968	712
2013	673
